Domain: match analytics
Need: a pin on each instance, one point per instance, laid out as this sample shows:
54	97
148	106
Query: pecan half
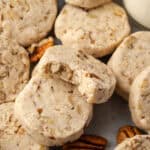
37	50
87	142
127	132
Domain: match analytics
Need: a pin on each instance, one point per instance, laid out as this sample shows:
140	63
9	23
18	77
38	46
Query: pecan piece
127	132
38	50
87	142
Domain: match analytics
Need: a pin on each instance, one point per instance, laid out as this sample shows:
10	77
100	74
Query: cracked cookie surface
140	100
93	78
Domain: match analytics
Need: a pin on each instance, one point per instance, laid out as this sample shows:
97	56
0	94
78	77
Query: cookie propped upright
129	59
93	78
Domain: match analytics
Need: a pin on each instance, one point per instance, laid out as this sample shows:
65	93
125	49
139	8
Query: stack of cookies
55	105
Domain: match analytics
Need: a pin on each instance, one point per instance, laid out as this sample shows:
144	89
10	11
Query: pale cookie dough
27	21
94	79
139	142
88	4
140	100
52	111
130	58
96	32
12	134
14	69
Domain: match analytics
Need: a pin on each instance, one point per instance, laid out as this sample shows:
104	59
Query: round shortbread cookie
52	111
140	100
130	58
12	134
87	3
27	21
93	78
97	31
139	142
14	69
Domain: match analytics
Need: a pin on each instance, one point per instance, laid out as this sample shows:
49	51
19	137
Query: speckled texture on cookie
97	31
14	69
12	134
140	100
52	111
87	3
139	142
130	58
27	21
93	78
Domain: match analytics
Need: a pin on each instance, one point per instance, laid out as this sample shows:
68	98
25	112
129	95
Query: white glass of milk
139	10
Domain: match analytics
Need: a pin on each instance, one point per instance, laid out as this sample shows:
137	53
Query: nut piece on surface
88	142
127	132
37	50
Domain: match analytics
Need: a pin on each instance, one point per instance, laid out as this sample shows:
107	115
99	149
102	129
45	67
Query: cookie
14	69
27	21
12	134
96	32
88	4
93	78
52	111
139	100
139	142
130	58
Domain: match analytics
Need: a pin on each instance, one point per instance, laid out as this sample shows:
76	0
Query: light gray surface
109	117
